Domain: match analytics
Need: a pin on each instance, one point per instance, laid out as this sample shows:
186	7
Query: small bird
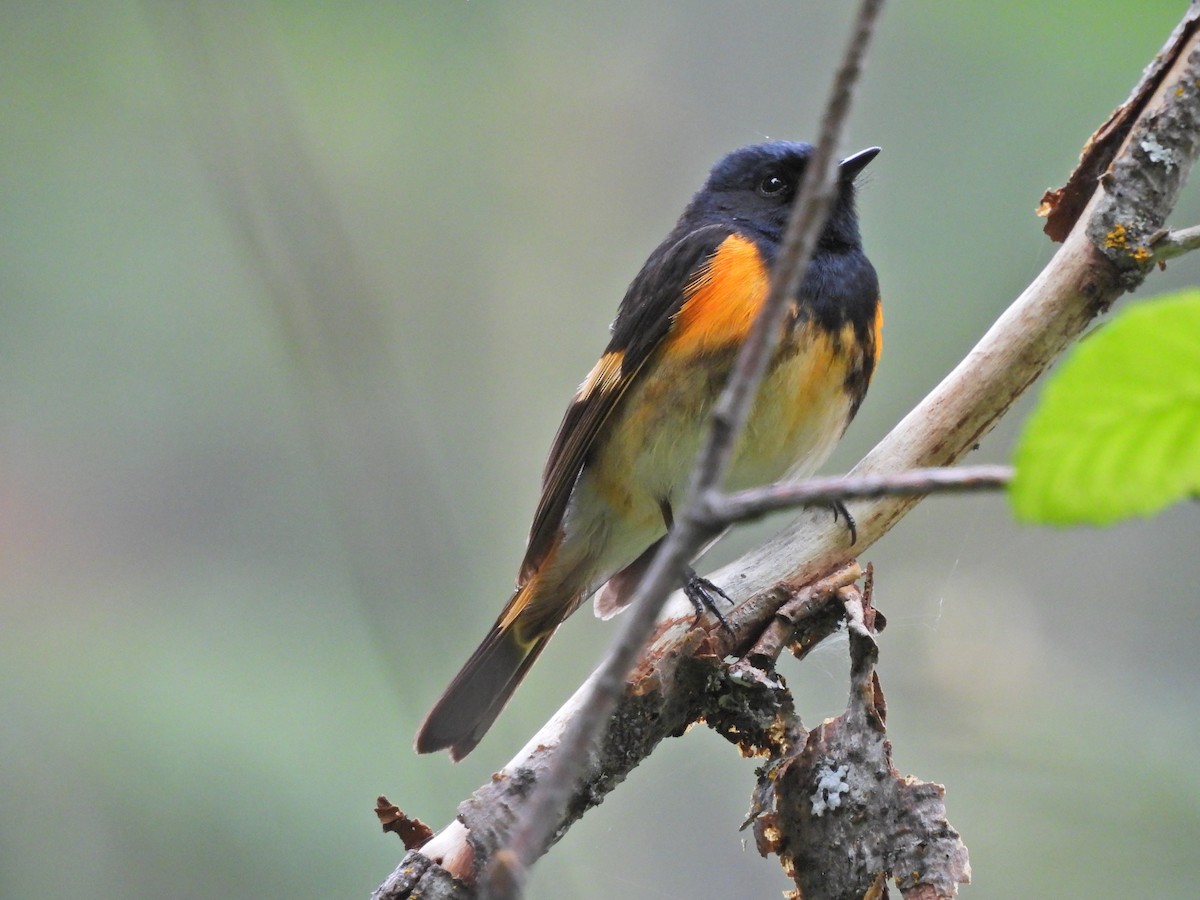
622	456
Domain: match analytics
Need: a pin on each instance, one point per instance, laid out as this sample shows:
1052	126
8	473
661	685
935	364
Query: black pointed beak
856	162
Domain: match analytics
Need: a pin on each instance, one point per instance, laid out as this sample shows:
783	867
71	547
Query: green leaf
1117	431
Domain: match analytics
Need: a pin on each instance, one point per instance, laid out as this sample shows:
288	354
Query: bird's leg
700	591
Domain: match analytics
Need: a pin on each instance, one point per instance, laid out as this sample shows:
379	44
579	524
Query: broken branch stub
840	816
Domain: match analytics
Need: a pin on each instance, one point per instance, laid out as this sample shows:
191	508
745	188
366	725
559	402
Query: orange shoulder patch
722	300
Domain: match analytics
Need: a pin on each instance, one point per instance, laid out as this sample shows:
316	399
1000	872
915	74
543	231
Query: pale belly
615	510
801	412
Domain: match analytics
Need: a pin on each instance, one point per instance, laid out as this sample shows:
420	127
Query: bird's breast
802	408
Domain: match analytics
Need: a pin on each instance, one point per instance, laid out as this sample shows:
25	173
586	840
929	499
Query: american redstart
623	453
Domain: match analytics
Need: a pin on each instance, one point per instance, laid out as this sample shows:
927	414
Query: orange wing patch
604	377
722	300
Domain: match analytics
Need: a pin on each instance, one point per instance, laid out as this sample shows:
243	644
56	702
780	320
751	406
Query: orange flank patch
722	300
878	331
604	377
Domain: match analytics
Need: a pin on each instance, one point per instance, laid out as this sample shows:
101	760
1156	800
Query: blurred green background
293	296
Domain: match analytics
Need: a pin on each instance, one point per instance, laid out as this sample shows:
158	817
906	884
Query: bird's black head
755	187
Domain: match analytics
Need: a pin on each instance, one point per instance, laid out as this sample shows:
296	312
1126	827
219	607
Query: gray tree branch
1110	219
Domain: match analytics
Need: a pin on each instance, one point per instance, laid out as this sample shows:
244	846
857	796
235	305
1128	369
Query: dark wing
643	320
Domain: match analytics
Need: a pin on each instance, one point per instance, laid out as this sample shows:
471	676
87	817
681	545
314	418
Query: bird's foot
703	595
839	510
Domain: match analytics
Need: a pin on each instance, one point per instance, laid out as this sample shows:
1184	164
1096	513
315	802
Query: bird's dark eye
773	186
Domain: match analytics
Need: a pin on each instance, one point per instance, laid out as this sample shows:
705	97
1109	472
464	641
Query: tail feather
469	706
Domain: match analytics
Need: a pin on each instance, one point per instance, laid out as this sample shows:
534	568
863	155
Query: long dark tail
464	713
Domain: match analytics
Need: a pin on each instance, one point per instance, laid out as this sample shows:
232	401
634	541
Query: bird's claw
703	595
839	510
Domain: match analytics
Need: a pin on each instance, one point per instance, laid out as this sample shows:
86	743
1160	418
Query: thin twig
1076	285
534	831
726	509
1176	243
805	606
812	207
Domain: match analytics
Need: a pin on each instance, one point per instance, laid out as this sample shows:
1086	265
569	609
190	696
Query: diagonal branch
667	690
